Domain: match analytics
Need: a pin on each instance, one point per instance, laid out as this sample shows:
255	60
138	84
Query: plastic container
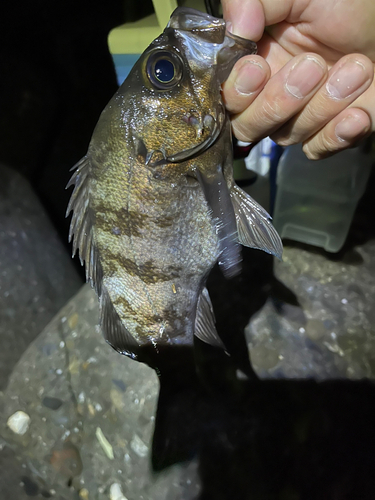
316	200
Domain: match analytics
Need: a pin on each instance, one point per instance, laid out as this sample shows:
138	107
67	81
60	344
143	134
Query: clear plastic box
316	200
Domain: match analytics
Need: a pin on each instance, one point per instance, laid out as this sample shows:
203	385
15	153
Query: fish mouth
214	126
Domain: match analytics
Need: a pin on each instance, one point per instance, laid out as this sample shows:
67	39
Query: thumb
248	18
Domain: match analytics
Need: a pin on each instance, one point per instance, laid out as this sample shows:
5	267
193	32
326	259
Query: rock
19	422
37	275
104	443
138	446
84	494
333	334
104	391
116	492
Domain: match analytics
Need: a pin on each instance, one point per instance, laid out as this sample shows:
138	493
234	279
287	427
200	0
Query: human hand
312	81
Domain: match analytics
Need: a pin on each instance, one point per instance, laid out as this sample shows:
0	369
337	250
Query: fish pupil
164	70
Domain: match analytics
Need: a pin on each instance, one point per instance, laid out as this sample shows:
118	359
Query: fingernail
347	79
349	128
249	78
304	77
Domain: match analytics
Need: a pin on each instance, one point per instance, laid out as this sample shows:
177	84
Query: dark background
56	76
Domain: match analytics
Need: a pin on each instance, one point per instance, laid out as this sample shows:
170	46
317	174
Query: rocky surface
328	329
92	416
37	276
92	412
96	425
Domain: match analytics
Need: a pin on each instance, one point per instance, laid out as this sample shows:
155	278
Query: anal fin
115	333
205	329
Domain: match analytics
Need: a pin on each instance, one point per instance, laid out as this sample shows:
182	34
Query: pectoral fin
219	201
205	329
254	225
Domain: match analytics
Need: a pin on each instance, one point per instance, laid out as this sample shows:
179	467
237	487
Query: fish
154	204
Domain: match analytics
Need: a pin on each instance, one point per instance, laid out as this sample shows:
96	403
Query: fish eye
164	69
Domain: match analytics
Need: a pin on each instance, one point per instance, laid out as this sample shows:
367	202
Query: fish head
172	96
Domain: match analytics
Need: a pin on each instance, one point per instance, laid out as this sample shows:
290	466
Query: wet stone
264	357
315	329
331	334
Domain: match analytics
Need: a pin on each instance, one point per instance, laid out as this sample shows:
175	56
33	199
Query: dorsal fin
81	225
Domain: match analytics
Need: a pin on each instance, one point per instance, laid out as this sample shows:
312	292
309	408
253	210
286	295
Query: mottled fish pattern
154	203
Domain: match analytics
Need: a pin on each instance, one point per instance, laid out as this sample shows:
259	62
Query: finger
248	18
295	40
245	82
244	18
275	55
347	80
344	131
283	96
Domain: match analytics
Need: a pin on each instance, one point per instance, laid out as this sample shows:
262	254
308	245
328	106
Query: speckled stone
102	394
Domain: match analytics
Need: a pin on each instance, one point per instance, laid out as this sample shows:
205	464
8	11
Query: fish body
155	205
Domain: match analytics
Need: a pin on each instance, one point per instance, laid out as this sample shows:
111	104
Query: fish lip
193	152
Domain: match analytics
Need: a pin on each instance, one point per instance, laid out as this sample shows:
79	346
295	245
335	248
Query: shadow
236	301
271	439
253	439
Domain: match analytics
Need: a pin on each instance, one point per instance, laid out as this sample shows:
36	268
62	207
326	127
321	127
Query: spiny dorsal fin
81	225
205	329
254	226
113	330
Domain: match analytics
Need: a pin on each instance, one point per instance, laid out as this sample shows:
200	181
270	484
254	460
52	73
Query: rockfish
155	205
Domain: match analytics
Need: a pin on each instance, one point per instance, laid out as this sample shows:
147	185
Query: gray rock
61	452
37	276
331	333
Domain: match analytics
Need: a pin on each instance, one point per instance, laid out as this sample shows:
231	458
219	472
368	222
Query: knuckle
242	131
272	112
320	147
285	140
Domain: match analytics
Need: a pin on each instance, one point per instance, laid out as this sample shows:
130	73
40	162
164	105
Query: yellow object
134	38
163	10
